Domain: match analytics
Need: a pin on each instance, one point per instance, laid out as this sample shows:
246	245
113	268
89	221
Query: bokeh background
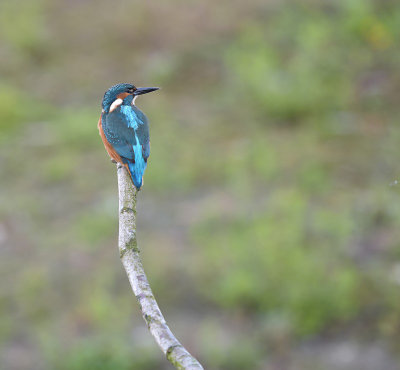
269	219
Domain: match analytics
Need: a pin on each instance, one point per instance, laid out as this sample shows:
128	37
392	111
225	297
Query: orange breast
110	150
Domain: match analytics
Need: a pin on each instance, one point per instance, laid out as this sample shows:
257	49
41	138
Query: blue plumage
126	129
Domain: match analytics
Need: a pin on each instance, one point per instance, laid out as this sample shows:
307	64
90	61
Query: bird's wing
127	130
137	119
120	134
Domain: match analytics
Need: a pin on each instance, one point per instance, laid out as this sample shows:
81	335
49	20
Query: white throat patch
116	103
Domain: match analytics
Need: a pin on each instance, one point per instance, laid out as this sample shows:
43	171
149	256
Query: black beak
144	90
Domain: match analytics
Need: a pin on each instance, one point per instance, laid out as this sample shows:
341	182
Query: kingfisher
124	129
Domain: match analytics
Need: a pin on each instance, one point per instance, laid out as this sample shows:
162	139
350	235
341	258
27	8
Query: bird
124	129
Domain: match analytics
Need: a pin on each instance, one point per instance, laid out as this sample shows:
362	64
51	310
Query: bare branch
129	253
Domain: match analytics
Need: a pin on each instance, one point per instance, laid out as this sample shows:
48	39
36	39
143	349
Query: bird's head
119	93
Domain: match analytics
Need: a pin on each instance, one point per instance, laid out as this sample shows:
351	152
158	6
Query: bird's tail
136	171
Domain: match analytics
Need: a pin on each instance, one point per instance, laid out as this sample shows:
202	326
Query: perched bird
124	129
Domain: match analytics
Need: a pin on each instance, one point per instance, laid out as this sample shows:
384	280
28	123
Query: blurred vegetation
267	221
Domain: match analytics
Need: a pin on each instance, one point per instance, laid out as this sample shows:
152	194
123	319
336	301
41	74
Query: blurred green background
269	218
